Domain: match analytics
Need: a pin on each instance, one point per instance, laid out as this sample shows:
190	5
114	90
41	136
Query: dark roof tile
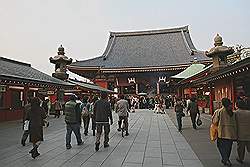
20	70
147	48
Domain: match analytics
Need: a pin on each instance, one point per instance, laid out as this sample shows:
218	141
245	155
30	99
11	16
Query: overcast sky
32	30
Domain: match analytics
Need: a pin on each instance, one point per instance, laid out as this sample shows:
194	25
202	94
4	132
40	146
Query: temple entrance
150	89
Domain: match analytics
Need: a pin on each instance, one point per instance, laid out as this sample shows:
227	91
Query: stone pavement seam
114	147
83	148
122	140
25	155
160	140
172	136
147	140
52	140
131	144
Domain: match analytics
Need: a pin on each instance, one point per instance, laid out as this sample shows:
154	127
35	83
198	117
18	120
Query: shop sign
2	88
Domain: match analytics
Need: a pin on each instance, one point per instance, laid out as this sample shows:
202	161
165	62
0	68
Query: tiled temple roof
153	48
11	69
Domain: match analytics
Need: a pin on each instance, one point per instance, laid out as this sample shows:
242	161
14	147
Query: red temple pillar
190	92
211	99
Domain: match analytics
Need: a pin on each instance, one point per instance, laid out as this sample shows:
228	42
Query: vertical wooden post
25	94
122	91
190	92
158	88
136	89
211	99
7	98
233	93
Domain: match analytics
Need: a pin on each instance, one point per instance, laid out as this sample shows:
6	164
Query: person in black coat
35	117
193	110
103	118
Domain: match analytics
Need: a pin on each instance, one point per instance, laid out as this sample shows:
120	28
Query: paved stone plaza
153	142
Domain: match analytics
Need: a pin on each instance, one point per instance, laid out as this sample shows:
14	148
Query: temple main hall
142	61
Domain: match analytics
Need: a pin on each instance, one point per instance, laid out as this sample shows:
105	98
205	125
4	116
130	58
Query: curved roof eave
104	61
63	83
190	71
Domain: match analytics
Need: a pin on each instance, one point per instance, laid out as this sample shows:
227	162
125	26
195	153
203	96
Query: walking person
25	135
178	108
58	108
45	105
133	104
193	110
102	115
73	121
85	114
91	111
226	121
243	132
122	108
187	103
35	117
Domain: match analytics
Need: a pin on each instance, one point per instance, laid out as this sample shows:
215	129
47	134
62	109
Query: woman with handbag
226	121
178	108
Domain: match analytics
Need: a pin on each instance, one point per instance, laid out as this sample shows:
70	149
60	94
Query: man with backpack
73	121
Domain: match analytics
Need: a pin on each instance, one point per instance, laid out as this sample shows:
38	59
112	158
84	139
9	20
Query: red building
18	81
228	76
141	61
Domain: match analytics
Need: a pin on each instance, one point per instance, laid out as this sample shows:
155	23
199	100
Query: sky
32	30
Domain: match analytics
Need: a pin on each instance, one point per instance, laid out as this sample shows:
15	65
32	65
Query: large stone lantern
219	53
60	61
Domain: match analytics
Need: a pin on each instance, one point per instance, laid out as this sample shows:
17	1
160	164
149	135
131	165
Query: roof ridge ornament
218	40
61	50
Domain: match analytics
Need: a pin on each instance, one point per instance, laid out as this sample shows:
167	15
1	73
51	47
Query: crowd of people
78	112
232	125
191	107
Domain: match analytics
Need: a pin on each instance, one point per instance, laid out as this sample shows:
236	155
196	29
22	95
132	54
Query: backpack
85	111
91	108
178	107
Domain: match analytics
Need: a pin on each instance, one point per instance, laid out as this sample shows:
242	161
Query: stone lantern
60	61
219	53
